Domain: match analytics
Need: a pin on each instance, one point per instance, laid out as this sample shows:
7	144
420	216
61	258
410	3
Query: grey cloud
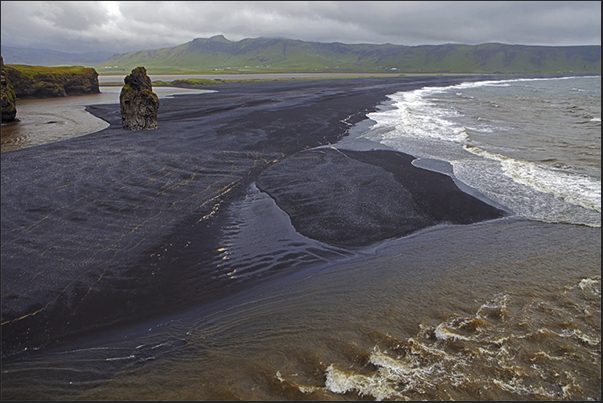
64	16
87	26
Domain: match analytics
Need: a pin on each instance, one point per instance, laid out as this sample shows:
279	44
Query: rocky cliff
9	108
46	82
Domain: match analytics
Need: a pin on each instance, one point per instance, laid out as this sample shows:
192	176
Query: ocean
508	309
532	145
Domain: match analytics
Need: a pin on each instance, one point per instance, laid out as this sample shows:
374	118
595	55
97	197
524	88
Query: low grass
36	70
201	82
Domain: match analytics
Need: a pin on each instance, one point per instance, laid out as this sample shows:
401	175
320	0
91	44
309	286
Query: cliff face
9	108
46	82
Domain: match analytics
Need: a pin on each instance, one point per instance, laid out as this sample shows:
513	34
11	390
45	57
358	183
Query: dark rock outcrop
139	104
49	82
9	106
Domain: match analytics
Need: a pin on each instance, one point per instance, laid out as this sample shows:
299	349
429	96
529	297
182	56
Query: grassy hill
218	54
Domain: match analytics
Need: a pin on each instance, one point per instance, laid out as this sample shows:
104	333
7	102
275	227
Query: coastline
134	193
136	232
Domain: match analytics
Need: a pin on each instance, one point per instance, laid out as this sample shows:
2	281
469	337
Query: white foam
592	285
393	379
340	382
415	117
575	189
422	126
442	332
581	336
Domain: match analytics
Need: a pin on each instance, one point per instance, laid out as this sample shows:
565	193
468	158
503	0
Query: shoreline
131	218
165	79
47	120
146	265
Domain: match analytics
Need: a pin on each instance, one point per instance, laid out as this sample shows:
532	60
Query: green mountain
218	54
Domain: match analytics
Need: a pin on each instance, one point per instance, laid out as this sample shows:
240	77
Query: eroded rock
139	104
9	105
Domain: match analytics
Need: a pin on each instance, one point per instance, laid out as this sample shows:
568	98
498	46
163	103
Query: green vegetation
202	82
36	70
266	55
196	82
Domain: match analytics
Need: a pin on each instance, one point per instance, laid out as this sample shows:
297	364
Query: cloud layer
124	26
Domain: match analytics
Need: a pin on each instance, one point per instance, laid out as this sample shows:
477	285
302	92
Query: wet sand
116	227
47	120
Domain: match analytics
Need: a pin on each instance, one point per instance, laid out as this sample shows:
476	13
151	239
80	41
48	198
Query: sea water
532	145
503	310
490	311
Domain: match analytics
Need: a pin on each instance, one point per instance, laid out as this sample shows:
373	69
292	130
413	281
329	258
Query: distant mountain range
257	55
45	57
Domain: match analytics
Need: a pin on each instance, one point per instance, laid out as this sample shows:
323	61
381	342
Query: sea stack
9	105
139	104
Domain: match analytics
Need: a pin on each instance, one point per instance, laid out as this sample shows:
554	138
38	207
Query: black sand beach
112	227
252	248
117	227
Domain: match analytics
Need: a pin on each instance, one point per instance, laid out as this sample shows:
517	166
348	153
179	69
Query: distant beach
118	78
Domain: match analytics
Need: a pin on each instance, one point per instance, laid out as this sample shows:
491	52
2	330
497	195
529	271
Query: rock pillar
139	104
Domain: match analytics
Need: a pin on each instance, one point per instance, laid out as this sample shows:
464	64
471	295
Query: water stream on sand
42	121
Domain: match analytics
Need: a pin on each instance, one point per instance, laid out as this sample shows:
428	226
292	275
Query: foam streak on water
532	145
501	351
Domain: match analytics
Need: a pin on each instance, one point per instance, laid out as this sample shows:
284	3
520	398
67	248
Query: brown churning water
504	310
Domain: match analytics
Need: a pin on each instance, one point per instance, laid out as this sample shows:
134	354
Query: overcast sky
123	26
